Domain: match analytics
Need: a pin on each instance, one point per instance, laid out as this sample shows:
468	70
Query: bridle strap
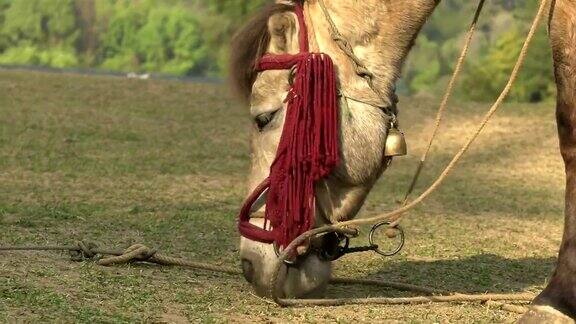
251	231
287	61
303	29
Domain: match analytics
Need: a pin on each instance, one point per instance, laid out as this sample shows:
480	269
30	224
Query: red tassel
308	148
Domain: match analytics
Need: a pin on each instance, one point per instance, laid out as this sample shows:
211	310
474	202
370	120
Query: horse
367	109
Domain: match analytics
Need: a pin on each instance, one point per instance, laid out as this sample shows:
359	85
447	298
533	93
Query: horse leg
560	293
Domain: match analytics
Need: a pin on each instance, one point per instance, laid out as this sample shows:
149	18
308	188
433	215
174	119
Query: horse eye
264	119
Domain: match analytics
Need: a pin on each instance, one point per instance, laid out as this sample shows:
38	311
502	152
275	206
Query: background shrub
190	37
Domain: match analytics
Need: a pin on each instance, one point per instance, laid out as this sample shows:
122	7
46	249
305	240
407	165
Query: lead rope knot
136	252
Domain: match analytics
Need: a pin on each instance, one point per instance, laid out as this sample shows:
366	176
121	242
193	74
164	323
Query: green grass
164	163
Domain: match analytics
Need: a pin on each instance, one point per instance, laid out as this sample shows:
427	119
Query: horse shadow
475	274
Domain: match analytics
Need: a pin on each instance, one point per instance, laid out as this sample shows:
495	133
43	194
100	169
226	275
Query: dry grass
163	163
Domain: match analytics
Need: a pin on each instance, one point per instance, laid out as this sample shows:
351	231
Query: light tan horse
381	32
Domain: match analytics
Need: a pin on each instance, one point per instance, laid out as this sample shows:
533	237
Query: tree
423	66
154	37
40	32
485	78
86	13
4	42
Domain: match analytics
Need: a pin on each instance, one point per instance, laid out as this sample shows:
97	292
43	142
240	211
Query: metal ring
277	251
378	250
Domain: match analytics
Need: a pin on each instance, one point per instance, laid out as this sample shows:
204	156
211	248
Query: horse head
380	35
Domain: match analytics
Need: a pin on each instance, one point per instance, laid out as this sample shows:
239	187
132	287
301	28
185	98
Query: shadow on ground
475	274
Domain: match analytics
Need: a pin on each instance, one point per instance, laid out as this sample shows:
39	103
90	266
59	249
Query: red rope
308	148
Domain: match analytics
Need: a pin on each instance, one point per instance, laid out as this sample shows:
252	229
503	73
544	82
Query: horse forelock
249	44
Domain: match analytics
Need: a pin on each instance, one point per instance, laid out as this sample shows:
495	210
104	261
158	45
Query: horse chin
308	278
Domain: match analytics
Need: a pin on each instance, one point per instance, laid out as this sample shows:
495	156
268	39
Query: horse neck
380	32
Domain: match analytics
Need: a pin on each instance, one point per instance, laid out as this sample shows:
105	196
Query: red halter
308	148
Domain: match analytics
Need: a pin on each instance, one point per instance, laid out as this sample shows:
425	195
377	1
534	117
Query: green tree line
190	37
500	35
180	37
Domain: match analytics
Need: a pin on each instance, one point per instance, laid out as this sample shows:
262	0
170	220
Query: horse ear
283	31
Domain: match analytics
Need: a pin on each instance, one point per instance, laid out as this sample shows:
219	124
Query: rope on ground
455	298
142	253
507	307
85	250
385	283
394	216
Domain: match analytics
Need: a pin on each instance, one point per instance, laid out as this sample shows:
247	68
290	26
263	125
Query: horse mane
248	45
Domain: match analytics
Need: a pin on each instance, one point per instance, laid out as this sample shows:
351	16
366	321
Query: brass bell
395	143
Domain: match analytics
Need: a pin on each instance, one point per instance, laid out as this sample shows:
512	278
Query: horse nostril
248	270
